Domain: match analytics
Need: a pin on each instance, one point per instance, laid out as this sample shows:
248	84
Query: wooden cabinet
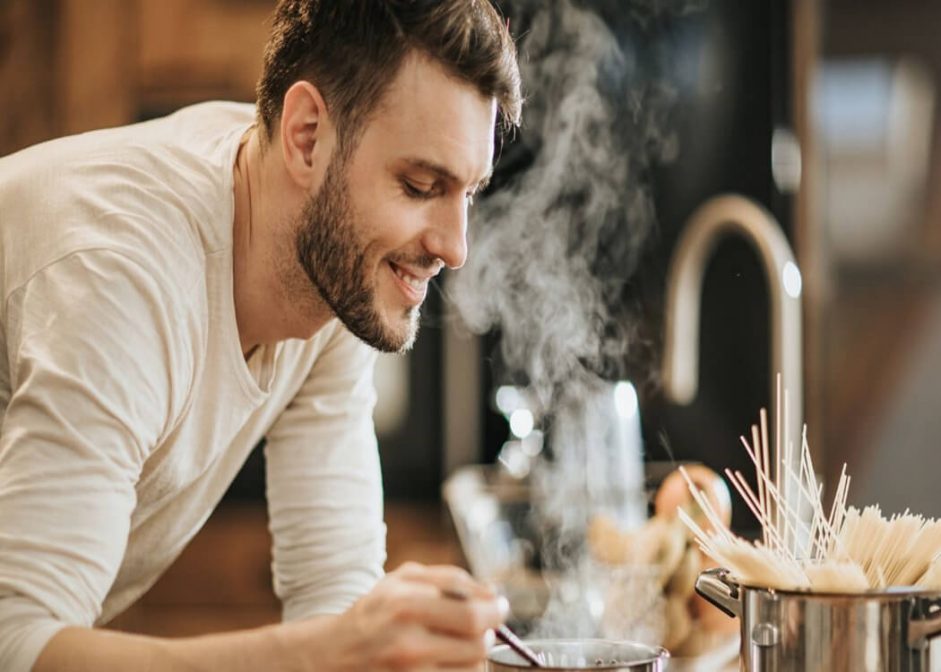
68	66
26	68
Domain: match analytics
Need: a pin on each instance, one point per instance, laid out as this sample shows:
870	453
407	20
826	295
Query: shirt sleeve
90	349
324	485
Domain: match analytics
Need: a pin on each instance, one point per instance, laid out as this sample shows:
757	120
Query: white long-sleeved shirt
127	406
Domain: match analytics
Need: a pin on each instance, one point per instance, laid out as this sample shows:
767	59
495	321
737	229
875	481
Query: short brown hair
351	51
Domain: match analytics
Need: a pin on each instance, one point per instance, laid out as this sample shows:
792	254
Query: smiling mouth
413	288
415	283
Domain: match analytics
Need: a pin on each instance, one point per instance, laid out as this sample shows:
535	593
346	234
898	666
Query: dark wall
726	131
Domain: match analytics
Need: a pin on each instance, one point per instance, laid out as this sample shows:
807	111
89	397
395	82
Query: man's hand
417	618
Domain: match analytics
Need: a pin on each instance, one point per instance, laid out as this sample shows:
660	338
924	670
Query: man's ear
306	134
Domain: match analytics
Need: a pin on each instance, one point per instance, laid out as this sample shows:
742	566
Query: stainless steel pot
889	631
569	655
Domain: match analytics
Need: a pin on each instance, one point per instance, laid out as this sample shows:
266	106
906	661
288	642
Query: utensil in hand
504	634
509	637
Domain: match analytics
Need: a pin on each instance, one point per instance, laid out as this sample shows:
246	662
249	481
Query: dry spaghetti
803	546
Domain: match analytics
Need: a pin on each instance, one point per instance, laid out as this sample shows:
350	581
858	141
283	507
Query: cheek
385	220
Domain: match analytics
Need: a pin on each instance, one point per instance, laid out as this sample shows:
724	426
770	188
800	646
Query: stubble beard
331	251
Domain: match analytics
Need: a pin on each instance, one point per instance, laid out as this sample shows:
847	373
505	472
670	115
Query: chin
402	330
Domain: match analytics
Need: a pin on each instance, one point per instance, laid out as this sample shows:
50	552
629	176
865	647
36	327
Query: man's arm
324	487
85	649
92	340
405	623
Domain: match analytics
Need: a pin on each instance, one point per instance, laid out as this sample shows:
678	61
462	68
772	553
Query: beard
331	250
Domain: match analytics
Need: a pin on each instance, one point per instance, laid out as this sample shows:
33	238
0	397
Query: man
175	290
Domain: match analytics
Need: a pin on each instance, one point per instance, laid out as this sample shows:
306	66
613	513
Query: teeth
412	281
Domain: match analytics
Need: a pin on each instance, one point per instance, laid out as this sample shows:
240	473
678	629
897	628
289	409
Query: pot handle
924	623
713	585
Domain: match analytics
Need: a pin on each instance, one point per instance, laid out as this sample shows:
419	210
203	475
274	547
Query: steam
551	255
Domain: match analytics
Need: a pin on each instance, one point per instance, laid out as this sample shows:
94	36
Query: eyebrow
445	174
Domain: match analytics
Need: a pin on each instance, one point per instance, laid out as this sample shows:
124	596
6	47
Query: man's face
386	220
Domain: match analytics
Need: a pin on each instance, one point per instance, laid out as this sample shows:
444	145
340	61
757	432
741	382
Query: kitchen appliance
888	631
582	654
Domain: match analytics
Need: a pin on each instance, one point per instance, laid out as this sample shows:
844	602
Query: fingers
452	580
468	609
449	617
459	618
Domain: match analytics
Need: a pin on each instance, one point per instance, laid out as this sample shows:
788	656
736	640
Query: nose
446	237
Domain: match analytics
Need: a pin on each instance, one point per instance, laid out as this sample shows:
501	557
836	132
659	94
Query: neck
262	254
246	170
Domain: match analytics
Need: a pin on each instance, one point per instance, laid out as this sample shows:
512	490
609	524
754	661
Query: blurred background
821	111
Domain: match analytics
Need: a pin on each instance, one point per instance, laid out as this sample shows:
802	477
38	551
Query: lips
412	286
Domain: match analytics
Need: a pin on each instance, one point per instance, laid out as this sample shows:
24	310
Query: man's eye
416	192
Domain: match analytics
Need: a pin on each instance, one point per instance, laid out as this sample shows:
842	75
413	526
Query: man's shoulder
194	130
193	146
213	113
163	187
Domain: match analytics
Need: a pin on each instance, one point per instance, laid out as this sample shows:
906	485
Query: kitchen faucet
713	219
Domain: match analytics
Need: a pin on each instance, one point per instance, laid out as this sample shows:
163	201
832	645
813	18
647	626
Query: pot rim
895	592
657	653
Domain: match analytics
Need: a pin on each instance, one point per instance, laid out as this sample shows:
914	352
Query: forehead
429	114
